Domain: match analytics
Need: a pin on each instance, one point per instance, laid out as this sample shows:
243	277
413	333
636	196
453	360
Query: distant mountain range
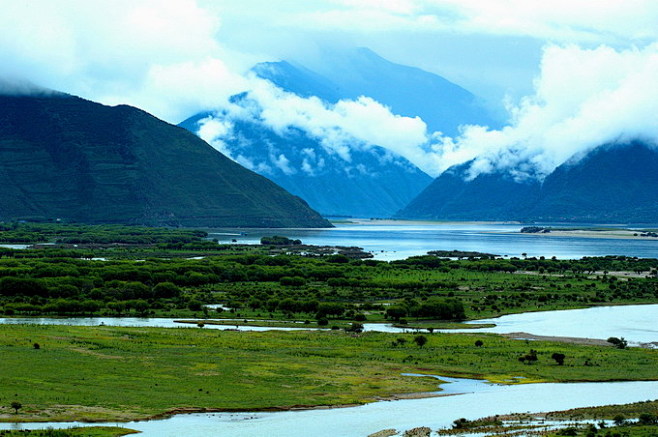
62	157
614	183
375	182
408	91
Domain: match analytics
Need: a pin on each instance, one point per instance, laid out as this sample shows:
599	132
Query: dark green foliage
569	431
16	406
619	343
648	419
11	286
277	240
442	309
559	358
420	340
56	281
356	328
530	357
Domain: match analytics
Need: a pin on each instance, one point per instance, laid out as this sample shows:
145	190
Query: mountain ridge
63	157
408	91
612	183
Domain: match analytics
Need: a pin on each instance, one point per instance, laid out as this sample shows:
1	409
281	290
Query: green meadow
111	373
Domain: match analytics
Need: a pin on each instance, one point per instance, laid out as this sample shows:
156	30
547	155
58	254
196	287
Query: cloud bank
596	81
583	98
338	127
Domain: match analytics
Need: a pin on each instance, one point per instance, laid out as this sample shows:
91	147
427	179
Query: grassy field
110	373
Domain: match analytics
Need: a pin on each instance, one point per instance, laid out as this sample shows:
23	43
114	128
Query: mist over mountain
612	183
62	157
407	91
335	137
365	181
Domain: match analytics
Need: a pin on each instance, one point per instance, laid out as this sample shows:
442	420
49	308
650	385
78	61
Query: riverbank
119	374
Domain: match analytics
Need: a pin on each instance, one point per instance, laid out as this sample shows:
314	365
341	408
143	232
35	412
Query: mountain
408	91
492	196
612	183
68	158
370	182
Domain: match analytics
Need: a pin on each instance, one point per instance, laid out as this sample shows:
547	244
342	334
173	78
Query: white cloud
178	57
592	21
584	98
162	56
215	131
283	163
340	127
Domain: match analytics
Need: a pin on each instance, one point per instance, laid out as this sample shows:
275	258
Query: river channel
465	398
636	323
470	399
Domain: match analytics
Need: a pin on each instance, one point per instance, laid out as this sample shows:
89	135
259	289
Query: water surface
479	399
636	323
399	241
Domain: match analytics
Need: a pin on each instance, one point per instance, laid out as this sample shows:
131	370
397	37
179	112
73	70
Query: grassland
110	373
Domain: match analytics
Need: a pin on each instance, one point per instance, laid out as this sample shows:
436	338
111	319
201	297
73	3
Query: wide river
405	239
476	398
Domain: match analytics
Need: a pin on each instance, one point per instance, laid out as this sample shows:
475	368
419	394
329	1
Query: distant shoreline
619	234
388	222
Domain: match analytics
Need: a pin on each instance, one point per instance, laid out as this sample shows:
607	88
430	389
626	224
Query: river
399	241
636	323
477	399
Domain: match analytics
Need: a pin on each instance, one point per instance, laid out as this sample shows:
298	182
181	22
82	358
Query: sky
567	75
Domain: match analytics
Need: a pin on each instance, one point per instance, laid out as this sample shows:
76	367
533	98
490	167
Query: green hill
63	157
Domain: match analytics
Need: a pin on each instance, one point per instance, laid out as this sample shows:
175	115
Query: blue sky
572	74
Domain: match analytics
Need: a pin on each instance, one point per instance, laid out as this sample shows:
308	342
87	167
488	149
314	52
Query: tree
16	406
479	343
166	290
396	312
647	419
530	357
619	343
420	340
357	328
619	419
559	358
